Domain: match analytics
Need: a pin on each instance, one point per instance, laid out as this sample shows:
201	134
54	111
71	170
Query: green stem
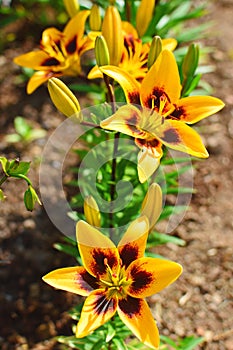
127	11
21	176
3	179
91	124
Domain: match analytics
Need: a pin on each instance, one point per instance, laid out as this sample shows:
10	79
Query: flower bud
72	7
144	16
155	49
101	51
152	204
64	99
112	32
30	198
91	211
95	19
2	197
190	61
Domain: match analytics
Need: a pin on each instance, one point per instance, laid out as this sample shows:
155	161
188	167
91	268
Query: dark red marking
102	305
130	306
87	281
171	136
50	62
141	279
128	253
72	46
101	256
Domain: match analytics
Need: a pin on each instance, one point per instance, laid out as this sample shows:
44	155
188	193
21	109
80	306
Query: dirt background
200	302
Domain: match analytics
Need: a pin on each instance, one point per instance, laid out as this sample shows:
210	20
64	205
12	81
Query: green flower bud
30	198
2	197
101	51
64	99
190	61
155	49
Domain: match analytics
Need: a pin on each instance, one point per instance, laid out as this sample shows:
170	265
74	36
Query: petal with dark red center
163	76
72	279
151	275
75	29
39	78
181	137
96	310
34	59
194	108
96	250
127	120
148	158
136	314
133	243
129	85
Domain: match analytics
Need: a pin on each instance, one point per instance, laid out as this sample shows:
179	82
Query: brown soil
200	302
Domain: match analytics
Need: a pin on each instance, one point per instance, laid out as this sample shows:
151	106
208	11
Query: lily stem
3	179
111	98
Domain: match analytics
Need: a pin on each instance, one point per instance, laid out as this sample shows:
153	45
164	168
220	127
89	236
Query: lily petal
39	78
135	313
96	310
129	85
75	29
36	60
96	250
194	108
162	77
151	275
95	73
148	158
169	44
72	279
133	244
126	120
181	137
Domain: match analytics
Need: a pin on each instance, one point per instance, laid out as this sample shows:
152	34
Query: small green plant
25	133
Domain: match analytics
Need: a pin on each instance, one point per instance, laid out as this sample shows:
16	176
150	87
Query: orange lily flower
134	54
116	279
162	115
60	52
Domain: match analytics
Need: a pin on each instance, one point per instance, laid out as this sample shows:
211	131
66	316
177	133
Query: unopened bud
30	198
101	51
2	197
190	61
91	211
112	32
152	204
144	16
72	7
95	19
155	49
64	99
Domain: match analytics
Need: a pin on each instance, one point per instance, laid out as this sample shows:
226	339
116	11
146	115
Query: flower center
115	282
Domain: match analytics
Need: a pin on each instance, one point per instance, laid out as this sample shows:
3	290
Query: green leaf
189	343
22	127
156	238
19	168
120	345
5	164
70	250
111	332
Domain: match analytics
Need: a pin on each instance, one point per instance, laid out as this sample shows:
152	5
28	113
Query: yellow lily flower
134	53
163	116
116	279
144	15
60	52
